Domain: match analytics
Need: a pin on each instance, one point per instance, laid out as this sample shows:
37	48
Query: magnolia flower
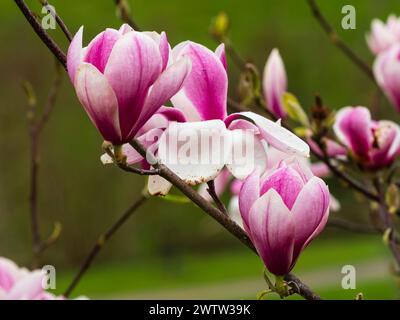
374	144
282	213
384	36
203	100
21	284
387	74
122	78
275	84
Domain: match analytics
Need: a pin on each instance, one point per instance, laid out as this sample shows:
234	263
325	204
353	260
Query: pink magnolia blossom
203	100
374	144
275	84
387	74
384	35
283	212
21	284
122	78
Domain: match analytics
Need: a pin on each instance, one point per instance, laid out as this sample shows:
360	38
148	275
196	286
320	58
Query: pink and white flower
283	212
374	144
384	35
21	284
122	78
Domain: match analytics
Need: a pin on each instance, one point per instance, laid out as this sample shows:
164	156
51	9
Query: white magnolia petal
158	186
278	136
195	151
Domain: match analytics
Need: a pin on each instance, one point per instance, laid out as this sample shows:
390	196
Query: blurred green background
168	248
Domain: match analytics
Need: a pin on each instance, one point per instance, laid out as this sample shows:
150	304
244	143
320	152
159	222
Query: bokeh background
171	250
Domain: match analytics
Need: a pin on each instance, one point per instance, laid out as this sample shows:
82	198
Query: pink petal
249	193
28	288
272	231
134	65
310	212
99	101
287	182
99	49
206	88
74	56
168	84
279	137
220	52
353	128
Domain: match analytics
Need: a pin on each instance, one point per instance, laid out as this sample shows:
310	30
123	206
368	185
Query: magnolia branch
123	10
102	240
296	285
35	128
338	42
59	21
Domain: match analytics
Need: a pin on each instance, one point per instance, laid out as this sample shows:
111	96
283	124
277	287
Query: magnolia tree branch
296	285
59	21
35	128
43	35
213	194
123	10
102	240
338	42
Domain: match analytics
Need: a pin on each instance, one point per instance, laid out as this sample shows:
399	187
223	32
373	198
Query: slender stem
296	285
43	35
35	128
59	21
138	171
387	221
123	9
351	226
235	56
102	240
214	196
338	42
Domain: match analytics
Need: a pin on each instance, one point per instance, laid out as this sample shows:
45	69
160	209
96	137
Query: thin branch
216	214
142	172
106	236
123	10
387	221
214	196
35	128
343	224
59	21
43	35
338	42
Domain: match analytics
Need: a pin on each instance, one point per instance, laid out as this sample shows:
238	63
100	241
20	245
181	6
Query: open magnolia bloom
374	144
274	160
199	149
21	284
384	35
122	78
283	212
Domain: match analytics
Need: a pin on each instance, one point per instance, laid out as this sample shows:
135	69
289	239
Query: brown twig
214	212
102	241
142	172
35	128
211	191
343	224
59	21
338	42
43	35
387	221
123	9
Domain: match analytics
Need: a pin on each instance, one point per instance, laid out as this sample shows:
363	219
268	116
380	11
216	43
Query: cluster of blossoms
123	79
